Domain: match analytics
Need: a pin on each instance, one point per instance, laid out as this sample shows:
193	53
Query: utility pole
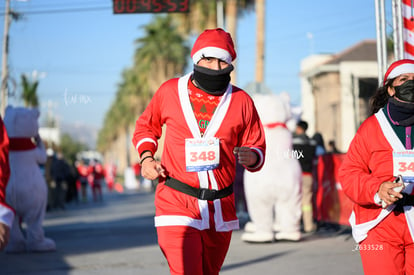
5	52
220	14
398	29
260	36
381	39
231	27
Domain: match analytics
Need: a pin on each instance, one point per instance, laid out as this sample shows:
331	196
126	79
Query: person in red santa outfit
211	124
378	175
83	171
98	174
6	212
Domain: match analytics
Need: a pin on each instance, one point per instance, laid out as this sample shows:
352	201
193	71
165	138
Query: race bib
403	162
202	154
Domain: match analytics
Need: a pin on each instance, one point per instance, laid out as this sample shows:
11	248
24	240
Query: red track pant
389	248
191	251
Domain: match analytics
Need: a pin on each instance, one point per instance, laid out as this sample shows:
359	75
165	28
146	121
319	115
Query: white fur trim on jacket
146	140
213	126
6	216
360	231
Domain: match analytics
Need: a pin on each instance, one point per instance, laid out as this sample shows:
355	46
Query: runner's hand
387	193
152	169
4	235
245	156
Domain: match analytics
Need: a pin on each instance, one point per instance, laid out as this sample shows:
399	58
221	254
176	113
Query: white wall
347	71
50	135
307	68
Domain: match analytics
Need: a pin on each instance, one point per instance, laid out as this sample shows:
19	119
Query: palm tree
232	10
122	111
29	93
160	54
203	15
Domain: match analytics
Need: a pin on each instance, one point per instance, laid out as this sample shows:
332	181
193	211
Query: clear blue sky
81	53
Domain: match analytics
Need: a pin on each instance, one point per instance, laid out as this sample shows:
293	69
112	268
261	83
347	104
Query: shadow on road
121	221
254	261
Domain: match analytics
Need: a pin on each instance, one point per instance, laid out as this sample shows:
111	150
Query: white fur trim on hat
212	52
402	69
399	67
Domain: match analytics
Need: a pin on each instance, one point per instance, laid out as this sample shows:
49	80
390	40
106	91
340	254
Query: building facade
336	89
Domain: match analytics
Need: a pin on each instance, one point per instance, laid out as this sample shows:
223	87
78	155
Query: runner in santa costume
383	216
6	213
210	125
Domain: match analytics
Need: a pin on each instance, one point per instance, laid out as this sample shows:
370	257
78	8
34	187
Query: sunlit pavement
116	236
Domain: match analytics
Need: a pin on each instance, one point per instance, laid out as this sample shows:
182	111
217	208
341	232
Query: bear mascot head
21	122
26	190
273	194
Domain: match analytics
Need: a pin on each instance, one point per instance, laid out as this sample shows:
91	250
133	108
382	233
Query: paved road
117	236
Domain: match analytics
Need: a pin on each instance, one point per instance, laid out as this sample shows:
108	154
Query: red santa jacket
369	163
82	170
6	213
235	122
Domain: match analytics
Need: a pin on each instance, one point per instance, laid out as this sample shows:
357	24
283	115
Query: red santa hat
215	43
399	67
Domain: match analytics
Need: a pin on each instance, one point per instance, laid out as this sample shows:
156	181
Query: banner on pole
331	203
408	28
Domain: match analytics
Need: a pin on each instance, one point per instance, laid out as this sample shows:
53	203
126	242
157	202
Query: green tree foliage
160	54
203	15
29	92
71	147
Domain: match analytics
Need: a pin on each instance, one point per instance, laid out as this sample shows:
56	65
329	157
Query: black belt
404	201
200	193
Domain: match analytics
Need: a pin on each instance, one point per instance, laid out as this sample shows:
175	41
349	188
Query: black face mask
401	112
213	82
405	91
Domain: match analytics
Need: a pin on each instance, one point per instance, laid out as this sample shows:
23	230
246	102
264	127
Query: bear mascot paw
273	194
26	190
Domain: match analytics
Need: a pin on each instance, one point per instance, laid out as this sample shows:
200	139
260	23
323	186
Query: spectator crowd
73	183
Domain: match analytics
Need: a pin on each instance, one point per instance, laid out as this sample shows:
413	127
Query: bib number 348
403	163
202	154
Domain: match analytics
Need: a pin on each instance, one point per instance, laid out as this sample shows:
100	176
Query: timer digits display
150	6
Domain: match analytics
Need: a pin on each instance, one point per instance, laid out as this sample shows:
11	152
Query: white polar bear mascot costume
273	194
26	191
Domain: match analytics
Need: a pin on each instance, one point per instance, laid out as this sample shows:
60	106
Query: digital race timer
150	6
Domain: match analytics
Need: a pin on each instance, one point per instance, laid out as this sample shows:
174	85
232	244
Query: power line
72	10
337	29
54	3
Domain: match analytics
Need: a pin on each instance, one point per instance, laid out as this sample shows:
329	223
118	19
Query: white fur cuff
6	216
